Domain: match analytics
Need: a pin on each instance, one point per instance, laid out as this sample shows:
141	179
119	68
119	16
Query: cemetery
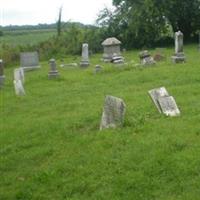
115	123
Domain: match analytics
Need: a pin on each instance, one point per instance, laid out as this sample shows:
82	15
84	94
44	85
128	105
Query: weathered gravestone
113	113
19	74
165	103
29	61
53	72
85	56
19	89
112	53
18	81
98	69
146	59
2	76
159	55
179	56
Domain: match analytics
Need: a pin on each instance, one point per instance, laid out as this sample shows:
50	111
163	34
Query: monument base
84	63
31	68
53	74
2	79
178	58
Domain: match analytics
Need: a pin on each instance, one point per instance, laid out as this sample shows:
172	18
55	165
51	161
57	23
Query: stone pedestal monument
2	76
85	56
111	48
53	72
179	56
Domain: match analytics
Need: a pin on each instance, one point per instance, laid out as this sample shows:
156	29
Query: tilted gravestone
19	74
19	89
165	103
113	113
179	56
18	81
85	56
29	60
2	76
53	72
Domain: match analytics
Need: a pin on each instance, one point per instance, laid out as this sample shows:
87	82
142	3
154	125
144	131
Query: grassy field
26	37
51	147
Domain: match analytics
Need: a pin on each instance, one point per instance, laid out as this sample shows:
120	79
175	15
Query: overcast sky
19	12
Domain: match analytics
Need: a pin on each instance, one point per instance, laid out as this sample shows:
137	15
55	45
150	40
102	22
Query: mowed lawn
51	147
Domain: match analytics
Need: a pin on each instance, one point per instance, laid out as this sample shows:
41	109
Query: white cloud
46	11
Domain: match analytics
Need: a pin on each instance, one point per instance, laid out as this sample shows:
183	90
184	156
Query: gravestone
165	103
19	74
29	61
169	106
85	56
69	65
19	89
146	59
111	48
2	76
159	55
98	69
53	72
113	113
179	56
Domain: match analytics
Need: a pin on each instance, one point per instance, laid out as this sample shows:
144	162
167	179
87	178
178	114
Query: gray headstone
53	72
98	69
111	47
85	56
179	56
29	60
69	65
165	104
168	106
19	89
2	76
146	59
19	74
113	113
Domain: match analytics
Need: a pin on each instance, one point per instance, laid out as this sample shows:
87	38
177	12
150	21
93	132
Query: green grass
51	147
28	37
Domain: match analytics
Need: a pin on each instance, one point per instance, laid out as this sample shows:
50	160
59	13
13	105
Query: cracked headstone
146	59
113	113
165	103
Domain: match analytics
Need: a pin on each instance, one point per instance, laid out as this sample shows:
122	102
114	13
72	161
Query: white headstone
19	74
113	113
85	56
19	89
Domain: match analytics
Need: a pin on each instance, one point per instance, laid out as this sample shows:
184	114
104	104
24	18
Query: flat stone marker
165	103
2	76
19	74
168	106
29	61
19	89
113	113
85	56
53	72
